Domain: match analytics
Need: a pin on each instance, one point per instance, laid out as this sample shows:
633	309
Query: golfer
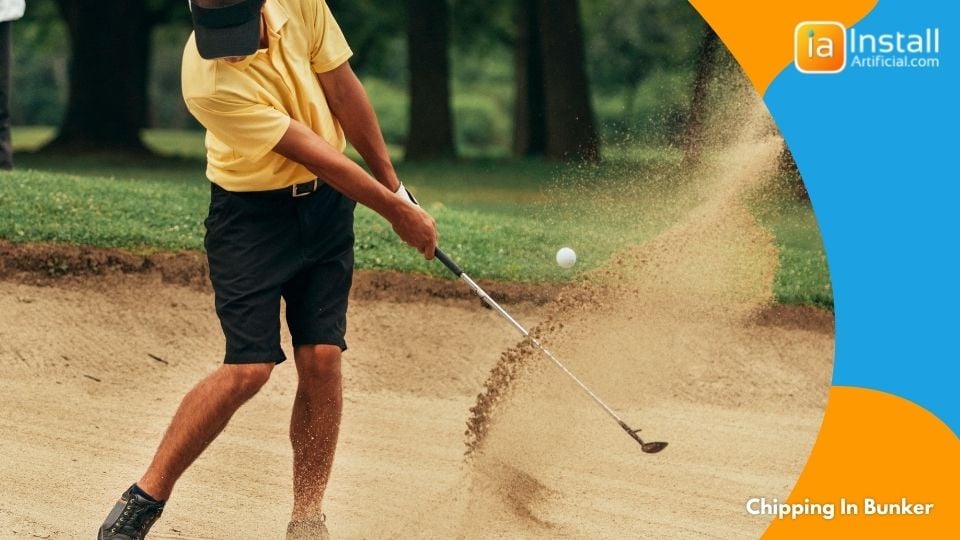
270	81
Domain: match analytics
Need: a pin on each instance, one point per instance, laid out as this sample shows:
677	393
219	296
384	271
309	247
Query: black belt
296	191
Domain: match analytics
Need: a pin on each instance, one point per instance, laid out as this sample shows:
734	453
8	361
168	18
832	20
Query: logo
820	47
828	47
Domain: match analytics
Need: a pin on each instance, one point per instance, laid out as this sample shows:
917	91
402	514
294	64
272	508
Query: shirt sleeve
330	48
251	130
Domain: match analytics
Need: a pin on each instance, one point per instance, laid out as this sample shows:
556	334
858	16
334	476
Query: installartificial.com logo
820	47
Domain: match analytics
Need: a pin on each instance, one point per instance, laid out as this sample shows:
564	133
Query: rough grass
501	219
803	277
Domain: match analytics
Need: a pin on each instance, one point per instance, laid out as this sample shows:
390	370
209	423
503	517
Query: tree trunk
529	115
6	146
431	122
694	136
571	131
110	46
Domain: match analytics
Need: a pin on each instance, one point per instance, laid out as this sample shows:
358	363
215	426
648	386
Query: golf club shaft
450	264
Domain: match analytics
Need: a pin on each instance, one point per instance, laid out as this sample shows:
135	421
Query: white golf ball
566	257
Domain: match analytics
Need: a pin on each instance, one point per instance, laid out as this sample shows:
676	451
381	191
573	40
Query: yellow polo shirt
247	106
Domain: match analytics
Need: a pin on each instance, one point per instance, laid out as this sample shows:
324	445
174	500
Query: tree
373	30
631	39
529	115
641	53
693	137
571	130
431	120
110	54
554	116
39	68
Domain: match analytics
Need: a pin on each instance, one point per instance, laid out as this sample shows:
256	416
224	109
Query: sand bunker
666	326
676	334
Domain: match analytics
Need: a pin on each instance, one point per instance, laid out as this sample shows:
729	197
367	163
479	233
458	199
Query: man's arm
350	105
414	226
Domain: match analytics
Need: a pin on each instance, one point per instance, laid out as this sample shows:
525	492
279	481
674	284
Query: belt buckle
297	193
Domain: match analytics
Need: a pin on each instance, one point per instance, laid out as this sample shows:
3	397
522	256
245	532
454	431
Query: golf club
648	447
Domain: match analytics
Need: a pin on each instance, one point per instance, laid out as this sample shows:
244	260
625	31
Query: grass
501	219
803	277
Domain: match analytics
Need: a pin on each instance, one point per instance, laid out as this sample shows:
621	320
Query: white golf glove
406	195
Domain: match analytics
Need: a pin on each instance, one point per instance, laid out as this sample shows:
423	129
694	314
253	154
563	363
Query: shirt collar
275	16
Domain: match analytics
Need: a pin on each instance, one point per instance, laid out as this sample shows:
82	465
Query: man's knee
248	379
318	362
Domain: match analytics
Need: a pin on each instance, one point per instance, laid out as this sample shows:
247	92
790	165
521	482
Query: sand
671	333
678	335
84	404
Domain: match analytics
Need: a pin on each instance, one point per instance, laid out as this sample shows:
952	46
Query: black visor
231	30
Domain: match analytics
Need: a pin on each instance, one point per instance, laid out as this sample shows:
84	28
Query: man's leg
314	426
202	415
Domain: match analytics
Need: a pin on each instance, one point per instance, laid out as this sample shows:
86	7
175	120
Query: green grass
501	219
803	277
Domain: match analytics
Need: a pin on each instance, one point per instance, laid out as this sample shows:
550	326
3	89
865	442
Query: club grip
448	262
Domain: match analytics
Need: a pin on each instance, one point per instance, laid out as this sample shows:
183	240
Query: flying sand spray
648	447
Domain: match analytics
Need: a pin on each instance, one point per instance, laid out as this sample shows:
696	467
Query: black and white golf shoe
131	518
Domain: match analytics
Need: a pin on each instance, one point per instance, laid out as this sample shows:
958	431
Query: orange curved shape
759	33
882	447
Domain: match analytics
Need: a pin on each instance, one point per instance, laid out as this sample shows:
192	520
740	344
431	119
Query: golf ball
566	257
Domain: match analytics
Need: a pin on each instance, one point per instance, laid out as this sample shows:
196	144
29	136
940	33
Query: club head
647	447
653	447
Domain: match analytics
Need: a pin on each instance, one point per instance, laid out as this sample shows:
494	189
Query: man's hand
426	249
415	227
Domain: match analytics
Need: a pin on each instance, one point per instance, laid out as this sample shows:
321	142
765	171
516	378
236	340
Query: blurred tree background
565	79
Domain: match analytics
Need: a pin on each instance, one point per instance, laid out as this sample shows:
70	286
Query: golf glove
406	195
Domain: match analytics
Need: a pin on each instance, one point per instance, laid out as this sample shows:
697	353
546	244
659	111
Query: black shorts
262	246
